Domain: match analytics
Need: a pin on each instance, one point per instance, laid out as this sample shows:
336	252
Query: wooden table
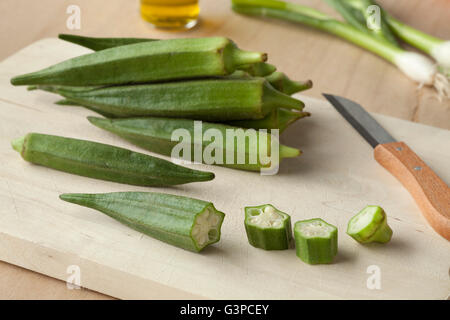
333	65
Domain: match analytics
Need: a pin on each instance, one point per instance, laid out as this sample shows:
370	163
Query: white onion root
441	53
424	71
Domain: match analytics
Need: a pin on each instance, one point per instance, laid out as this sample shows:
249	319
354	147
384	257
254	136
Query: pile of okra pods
146	89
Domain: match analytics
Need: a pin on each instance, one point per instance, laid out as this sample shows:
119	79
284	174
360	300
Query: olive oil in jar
173	14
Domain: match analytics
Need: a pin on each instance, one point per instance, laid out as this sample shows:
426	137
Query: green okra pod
268	228
282	83
184	222
146	62
98	44
370	225
210	100
278	119
102	161
246	149
67	102
316	241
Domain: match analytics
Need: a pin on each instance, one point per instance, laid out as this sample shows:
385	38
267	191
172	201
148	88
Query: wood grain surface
334	65
431	193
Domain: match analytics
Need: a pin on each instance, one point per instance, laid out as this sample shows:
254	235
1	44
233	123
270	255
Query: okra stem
261	69
281	100
282	83
241	57
17	144
288	152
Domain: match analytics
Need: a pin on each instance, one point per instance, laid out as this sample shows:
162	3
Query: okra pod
102	161
187	223
277	119
98	44
316	241
370	225
146	62
260	69
155	134
66	102
210	100
268	228
281	82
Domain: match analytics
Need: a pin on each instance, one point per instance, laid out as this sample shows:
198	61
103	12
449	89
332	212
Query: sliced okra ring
268	228
370	225
316	241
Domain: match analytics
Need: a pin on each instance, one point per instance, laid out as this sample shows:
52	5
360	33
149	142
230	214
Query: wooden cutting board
334	178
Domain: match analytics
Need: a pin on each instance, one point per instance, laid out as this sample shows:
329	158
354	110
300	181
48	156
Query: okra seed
270	229
212	234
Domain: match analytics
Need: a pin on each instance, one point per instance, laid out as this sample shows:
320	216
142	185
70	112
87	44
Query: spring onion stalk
414	65
356	13
437	48
356	10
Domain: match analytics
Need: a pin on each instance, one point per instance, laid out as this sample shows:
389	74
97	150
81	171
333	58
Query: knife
431	194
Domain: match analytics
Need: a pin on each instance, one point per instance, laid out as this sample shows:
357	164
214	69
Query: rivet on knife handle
430	193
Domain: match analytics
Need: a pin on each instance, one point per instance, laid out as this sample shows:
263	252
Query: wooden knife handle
428	190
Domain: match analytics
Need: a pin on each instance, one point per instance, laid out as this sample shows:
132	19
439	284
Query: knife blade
361	120
430	192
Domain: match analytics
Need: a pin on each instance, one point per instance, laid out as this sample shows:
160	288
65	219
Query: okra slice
316	241
370	225
184	222
268	228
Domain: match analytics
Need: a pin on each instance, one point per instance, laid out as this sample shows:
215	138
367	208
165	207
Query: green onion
356	10
437	48
356	13
416	66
